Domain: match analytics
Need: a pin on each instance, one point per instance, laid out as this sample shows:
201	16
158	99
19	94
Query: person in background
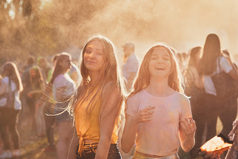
194	89
63	89
44	67
29	100
46	101
3	87
211	64
10	107
158	114
130	64
37	86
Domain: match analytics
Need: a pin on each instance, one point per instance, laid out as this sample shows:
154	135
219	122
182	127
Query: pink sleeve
185	108
132	105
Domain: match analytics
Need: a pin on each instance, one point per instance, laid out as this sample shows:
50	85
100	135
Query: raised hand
145	114
188	126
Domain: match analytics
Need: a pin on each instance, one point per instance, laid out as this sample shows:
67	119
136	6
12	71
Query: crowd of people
169	103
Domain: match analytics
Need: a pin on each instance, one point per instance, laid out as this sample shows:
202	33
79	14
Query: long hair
143	78
193	55
10	70
37	80
211	51
110	72
58	68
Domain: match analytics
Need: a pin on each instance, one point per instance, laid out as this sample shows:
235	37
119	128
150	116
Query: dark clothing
8	127
90	154
227	113
49	123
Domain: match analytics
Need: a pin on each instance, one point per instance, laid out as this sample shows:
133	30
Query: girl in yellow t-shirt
98	102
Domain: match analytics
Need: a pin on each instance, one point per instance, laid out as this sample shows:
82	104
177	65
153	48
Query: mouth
160	68
90	62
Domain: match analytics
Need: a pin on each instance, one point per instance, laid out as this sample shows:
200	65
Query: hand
188	126
145	114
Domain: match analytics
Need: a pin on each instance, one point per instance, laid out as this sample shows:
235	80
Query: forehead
96	44
160	51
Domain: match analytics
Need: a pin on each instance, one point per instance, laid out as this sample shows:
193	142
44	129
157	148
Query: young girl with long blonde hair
98	102
158	115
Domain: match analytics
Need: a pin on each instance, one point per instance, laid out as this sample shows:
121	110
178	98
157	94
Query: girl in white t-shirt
213	63
158	115
10	107
63	89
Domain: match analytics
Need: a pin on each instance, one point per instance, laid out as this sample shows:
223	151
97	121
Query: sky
182	24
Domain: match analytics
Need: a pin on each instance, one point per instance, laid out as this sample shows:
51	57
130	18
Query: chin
93	68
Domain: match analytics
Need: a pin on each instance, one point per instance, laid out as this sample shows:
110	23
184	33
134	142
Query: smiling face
94	56
160	63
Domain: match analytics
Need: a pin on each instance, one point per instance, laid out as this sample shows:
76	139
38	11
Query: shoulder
59	79
111	89
109	86
133	58
225	64
135	97
223	61
183	98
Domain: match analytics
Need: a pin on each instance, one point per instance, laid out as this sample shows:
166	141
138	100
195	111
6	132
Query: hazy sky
180	23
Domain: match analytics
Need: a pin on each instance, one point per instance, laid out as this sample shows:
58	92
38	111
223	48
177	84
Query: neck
159	86
94	77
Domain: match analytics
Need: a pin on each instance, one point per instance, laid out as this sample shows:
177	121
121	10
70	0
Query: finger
150	108
145	119
147	116
146	113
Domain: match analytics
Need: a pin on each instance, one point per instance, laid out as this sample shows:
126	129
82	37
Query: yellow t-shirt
88	125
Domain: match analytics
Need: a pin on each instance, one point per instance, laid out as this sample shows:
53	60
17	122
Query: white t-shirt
224	67
131	65
65	84
160	136
3	101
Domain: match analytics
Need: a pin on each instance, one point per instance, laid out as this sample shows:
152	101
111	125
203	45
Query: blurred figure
214	66
44	67
48	104
63	89
130	64
3	87
29	100
37	86
194	89
10	107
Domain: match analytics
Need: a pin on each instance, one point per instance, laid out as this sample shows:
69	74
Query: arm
187	128
131	125
129	133
111	104
73	146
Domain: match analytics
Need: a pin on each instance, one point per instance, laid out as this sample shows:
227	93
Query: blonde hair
111	72
143	77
